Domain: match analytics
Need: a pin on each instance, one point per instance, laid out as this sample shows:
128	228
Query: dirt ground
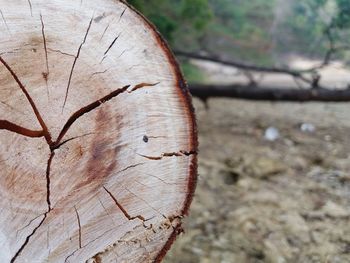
262	201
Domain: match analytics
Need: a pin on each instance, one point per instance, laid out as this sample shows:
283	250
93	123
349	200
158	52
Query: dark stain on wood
102	154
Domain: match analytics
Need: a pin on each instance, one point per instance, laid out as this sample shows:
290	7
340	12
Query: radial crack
88	243
3	18
31	8
6	125
29	223
49	162
35	109
172	154
71	139
48	180
120	17
46	213
79	225
123	209
45	47
87	109
93	106
27	239
130	167
142	85
47	73
9	126
9	106
75	61
111	45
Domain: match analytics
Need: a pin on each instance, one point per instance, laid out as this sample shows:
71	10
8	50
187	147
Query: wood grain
98	141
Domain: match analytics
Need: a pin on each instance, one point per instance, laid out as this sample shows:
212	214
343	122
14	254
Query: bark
98	138
205	92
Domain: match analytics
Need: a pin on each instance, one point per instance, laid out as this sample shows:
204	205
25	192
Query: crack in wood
3	18
73	138
85	110
172	154
61	52
107	213
120	17
142	85
79	225
54	145
97	73
111	45
31	101
9	126
74	63
31	8
130	167
57	144
10	107
126	214
97	258
48	180
90	242
27	225
45	74
121	54
27	239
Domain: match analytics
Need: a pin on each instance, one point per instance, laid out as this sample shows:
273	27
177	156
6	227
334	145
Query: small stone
308	128
272	134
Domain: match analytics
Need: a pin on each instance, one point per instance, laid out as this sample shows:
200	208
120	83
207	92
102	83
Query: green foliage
196	12
192	73
306	24
174	16
255	31
165	25
343	18
241	29
310	19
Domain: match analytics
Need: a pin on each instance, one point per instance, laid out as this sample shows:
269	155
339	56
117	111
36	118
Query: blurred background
271	87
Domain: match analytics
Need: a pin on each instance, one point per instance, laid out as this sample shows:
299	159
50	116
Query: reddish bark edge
177	231
186	98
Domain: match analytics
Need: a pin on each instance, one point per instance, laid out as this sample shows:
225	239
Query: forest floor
278	201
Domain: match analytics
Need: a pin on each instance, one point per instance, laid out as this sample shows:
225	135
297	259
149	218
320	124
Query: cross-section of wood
98	140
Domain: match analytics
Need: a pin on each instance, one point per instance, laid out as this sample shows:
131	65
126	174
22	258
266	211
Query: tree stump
98	135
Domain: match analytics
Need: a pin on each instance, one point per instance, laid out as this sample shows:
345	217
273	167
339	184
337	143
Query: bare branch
205	92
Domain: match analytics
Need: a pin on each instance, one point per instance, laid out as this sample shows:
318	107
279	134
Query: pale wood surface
113	184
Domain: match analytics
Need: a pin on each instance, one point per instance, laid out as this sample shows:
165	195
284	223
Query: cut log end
98	150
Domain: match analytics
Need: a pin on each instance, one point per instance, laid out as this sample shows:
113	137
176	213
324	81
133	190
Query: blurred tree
343	19
261	32
241	29
176	15
181	22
